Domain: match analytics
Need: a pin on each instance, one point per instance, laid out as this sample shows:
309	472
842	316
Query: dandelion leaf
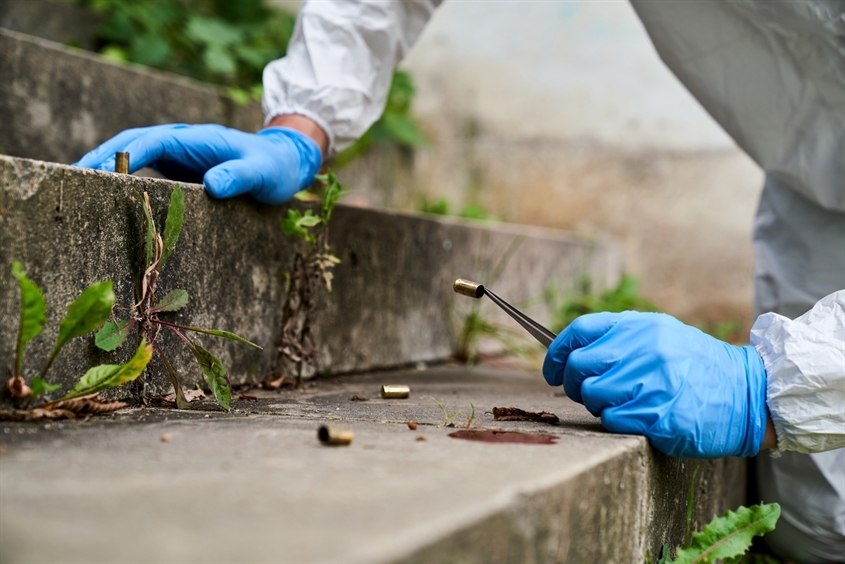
224	334
33	312
175	300
150	230
215	375
89	311
110	375
40	386
173	223
729	536
111	335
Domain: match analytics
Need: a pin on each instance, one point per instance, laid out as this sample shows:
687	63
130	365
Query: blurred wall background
561	114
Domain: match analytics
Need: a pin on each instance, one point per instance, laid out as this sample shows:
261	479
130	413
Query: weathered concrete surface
392	302
257	486
62	22
56	104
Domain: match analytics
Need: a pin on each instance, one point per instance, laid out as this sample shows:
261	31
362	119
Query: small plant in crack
311	268
84	315
448	417
145	314
471	417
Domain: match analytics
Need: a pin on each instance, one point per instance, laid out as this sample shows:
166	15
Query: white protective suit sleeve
365	39
805	369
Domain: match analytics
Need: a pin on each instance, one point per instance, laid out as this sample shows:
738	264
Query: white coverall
772	73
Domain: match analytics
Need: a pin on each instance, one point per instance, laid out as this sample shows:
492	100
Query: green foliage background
624	297
219	41
228	43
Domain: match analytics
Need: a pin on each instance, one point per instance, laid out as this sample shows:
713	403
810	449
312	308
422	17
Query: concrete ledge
62	22
256	486
56	104
392	304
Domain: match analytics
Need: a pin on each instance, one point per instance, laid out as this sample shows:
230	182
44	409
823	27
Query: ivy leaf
729	536
215	375
111	375
175	300
112	334
173	223
90	310
39	387
33	313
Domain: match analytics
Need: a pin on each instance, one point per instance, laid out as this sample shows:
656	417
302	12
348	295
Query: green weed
447	417
441	206
314	264
438	206
88	312
145	314
471	415
624	297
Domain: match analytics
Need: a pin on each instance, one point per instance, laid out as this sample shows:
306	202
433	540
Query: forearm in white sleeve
805	372
340	62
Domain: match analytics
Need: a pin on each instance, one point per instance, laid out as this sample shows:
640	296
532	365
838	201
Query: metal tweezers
473	290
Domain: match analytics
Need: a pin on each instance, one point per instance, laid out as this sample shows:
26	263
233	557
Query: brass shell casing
467	288
121	163
334	436
395	392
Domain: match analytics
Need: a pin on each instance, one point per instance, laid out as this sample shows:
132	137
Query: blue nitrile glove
649	374
271	165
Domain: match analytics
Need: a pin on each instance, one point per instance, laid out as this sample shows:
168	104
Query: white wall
562	70
562	114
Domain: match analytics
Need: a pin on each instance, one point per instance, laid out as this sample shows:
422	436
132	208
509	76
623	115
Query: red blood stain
505	437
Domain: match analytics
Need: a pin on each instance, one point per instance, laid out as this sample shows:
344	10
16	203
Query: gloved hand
649	374
271	165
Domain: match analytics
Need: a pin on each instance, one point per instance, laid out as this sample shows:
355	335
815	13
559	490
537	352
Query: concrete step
56	103
392	302
254	485
62	22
